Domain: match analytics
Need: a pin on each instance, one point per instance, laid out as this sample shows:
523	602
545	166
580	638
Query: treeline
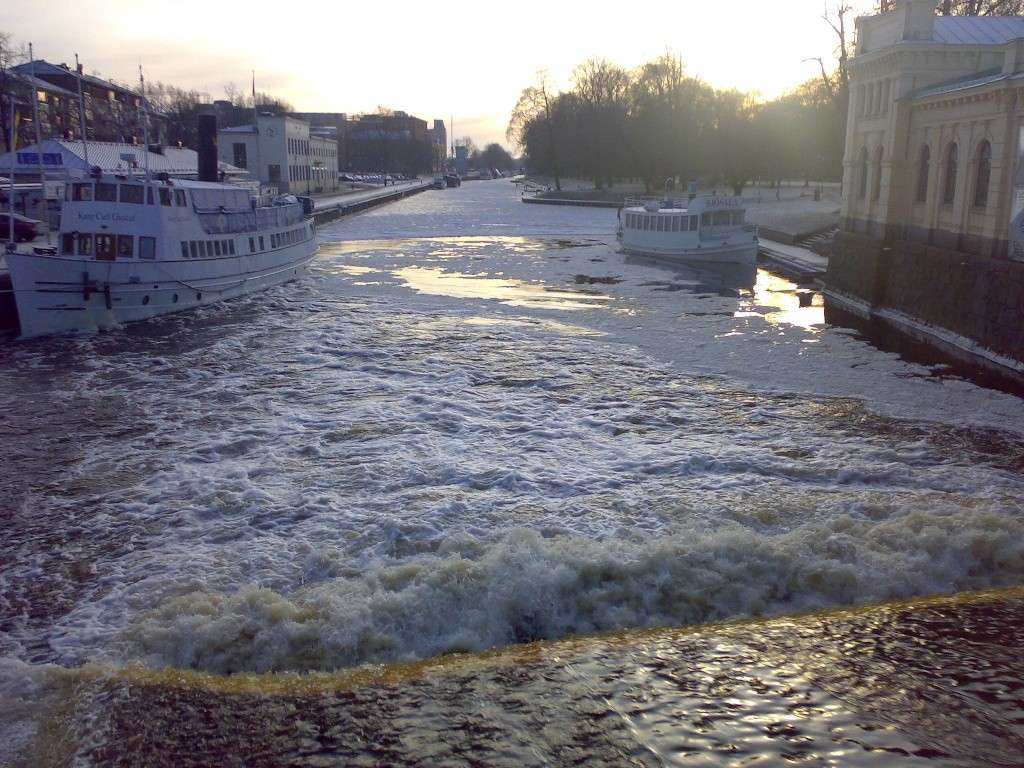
656	122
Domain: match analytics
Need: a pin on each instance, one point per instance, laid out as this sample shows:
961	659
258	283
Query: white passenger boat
711	229
131	249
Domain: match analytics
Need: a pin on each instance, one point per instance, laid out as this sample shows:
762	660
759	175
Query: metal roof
238	129
113	156
973	80
978	30
42	85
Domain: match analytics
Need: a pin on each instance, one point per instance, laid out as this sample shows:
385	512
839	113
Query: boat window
165	196
207	248
705	219
216	247
149	195
261	242
675	223
184	249
85	245
125	246
131	193
67	244
147	248
722	218
105	244
179	197
694	223
193	246
82	193
106	193
231	247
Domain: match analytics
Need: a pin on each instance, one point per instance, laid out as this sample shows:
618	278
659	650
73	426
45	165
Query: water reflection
516	293
785	301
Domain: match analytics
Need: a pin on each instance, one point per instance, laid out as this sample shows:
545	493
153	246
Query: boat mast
145	121
39	138
256	128
81	115
10	191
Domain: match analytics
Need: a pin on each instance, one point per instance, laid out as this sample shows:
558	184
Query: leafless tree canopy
968	7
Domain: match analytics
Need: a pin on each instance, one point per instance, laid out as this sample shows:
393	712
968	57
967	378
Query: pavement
348	197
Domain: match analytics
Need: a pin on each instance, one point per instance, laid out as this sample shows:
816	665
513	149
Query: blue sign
32	158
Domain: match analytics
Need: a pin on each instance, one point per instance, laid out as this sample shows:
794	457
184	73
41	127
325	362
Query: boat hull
740	253
60	295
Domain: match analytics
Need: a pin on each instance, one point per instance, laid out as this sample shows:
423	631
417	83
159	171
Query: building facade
438	138
282	154
932	236
934	129
113	112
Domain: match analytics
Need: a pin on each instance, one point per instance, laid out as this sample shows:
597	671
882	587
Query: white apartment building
282	154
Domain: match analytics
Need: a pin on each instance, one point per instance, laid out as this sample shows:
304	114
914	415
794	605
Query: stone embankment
962	303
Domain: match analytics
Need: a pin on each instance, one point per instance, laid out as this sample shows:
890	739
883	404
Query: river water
292	523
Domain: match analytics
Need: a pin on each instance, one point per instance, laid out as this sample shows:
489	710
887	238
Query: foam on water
472	595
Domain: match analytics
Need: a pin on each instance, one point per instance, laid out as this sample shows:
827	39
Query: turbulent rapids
475	425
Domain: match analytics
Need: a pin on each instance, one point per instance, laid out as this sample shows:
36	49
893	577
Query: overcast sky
433	60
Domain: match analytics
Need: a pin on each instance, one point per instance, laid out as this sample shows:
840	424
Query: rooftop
112	157
978	30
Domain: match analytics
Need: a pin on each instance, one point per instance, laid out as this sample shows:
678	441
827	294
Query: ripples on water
422	450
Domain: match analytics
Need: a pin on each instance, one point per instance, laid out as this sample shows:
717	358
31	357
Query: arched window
984	175
862	174
923	169
949	190
876	184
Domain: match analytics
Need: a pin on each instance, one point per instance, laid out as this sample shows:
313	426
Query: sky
461	60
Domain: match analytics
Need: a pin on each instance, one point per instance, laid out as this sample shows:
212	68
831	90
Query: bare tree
966	7
10	55
535	107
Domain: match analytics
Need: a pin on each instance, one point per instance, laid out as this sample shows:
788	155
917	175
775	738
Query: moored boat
707	228
131	249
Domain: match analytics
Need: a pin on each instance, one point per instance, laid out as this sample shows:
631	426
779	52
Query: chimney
918	19
207	149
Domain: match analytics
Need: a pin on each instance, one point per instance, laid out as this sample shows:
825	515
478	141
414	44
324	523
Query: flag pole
256	129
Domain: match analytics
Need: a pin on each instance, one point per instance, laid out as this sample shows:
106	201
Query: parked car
25	229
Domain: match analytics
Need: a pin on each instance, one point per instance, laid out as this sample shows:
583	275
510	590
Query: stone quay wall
975	297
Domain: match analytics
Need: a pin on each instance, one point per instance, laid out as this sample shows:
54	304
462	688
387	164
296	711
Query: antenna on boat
145	121
39	138
81	115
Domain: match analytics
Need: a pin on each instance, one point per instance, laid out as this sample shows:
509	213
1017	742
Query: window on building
862	166
949	189
125	245
147	248
274	172
240	154
132	193
876	185
984	175
923	169
106	193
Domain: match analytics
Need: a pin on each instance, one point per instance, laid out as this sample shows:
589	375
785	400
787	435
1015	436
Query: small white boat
711	229
132	249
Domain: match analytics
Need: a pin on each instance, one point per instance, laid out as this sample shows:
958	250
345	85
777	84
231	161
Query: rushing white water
439	443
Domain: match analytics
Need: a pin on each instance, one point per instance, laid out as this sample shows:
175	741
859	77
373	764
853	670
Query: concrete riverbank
336	206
